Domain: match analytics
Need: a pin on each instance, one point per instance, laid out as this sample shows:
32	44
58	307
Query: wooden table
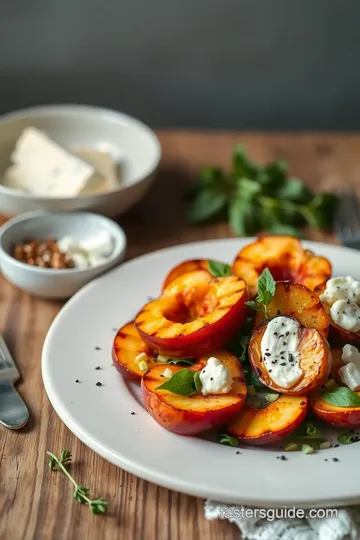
37	504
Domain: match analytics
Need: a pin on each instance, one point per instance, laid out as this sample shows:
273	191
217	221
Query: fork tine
347	219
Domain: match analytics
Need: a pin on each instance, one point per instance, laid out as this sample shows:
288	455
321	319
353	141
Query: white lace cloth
346	526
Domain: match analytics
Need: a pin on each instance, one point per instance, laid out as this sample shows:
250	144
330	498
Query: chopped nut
42	253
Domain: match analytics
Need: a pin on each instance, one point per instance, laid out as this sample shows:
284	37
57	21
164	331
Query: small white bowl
132	144
49	282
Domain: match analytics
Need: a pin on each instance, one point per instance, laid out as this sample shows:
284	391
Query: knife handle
14	413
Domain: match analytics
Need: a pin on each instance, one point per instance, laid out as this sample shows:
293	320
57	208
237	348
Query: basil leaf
342	397
320	211
280	228
205	205
254	305
241	165
242	217
228	440
181	383
197	381
347	438
294	190
246	189
219	269
275	173
266	287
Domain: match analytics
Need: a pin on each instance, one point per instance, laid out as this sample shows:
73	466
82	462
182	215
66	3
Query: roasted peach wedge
127	347
286	260
314	361
297	301
196	314
189	415
343	417
184	268
270	424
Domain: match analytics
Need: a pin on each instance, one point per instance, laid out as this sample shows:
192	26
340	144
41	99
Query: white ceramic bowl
131	143
48	282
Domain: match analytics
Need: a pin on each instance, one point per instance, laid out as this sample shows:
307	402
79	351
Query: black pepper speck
98	384
238	452
77	381
283	458
98	367
133	413
97	348
335	459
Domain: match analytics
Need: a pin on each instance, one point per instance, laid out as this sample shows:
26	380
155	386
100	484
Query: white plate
101	416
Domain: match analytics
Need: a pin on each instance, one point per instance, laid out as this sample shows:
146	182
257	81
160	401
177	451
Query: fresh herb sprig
184	383
341	396
256	198
266	291
228	440
81	494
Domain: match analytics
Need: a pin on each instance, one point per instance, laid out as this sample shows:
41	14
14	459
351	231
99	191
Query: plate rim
140	470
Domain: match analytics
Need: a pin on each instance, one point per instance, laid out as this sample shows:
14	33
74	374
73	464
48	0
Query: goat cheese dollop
279	351
215	378
343	296
350	373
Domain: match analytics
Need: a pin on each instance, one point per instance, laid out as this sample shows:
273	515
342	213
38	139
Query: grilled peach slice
184	268
344	417
126	347
286	260
189	415
297	301
271	424
314	361
196	314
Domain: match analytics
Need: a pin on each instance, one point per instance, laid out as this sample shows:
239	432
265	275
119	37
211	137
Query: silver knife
14	413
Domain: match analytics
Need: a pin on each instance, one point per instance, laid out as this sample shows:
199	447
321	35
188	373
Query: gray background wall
209	63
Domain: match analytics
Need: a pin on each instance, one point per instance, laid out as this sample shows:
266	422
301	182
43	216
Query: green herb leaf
280	228
242	217
182	361
219	269
258	198
266	287
347	438
295	191
181	383
81	493
241	165
206	204
254	305
342	397
197	381
246	189
320	211
228	440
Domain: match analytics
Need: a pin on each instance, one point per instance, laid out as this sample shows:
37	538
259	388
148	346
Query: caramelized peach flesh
189	415
196	314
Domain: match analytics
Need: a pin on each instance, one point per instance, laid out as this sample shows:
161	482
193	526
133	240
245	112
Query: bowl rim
116	255
58	109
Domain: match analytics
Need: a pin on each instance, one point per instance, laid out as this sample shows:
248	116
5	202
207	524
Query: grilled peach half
343	417
196	314
271	424
314	361
127	346
189	415
184	268
286	260
297	301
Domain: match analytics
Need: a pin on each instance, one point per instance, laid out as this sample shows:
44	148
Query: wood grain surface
36	503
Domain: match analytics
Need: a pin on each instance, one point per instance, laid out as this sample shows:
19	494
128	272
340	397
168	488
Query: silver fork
347	219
